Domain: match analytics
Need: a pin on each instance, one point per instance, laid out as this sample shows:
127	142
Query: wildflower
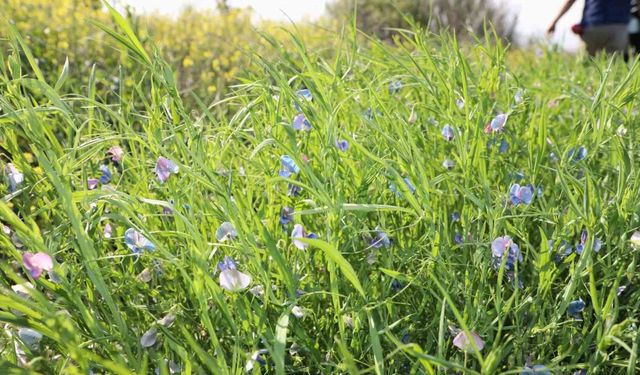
286	215
230	278
395	87
148	339
145	276
380	239
30	337
92	183
503	247
116	153
164	168
447	133
226	231
455	216
575	308
536	370
463	342
504	146
458	239
300	122
553	157
342	145
635	239
517	98
621	290
520	194
36	263
407	183
293	190
289	166
621	131
299	232
396	286
168	210
14	177
497	124
448	164
460	103
257	291
256	357
136	242
304	94
167	320
107	230
297	311
105	178
577	155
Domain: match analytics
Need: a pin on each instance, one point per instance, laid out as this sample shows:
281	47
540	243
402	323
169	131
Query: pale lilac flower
299	232
92	183
116	153
225	232
342	145
137	242
149	338
14	177
231	279
497	124
464	343
300	122
37	263
107	230
164	168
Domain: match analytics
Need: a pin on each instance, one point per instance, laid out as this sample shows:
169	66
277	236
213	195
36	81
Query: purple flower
447	133
289	166
92	183
503	247
37	263
137	242
301	123
520	194
342	145
455	217
106	176
458	239
164	168
116	153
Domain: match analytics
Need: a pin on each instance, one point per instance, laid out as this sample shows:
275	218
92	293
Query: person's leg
595	38
618	39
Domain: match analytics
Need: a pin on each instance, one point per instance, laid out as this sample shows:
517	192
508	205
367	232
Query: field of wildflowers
423	208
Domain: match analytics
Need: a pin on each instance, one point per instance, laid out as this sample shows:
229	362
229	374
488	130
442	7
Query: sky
534	16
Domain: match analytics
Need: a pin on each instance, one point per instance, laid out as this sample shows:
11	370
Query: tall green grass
390	316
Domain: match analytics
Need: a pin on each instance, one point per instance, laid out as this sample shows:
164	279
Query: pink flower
463	342
36	263
116	153
92	183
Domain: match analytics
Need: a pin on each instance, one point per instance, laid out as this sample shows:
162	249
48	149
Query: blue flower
520	194
458	239
503	247
380	239
227	264
293	190
395	87
289	166
342	145
396	286
448	133
304	94
504	146
407	182
577	155
455	216
105	178
497	124
575	309
225	232
300	122
286	215
460	103
299	232
137	242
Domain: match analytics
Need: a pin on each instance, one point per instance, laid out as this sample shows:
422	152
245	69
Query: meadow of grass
399	172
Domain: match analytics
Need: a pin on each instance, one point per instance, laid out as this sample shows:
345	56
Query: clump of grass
401	258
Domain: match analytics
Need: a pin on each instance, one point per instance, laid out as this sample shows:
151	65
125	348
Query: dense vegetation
418	208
